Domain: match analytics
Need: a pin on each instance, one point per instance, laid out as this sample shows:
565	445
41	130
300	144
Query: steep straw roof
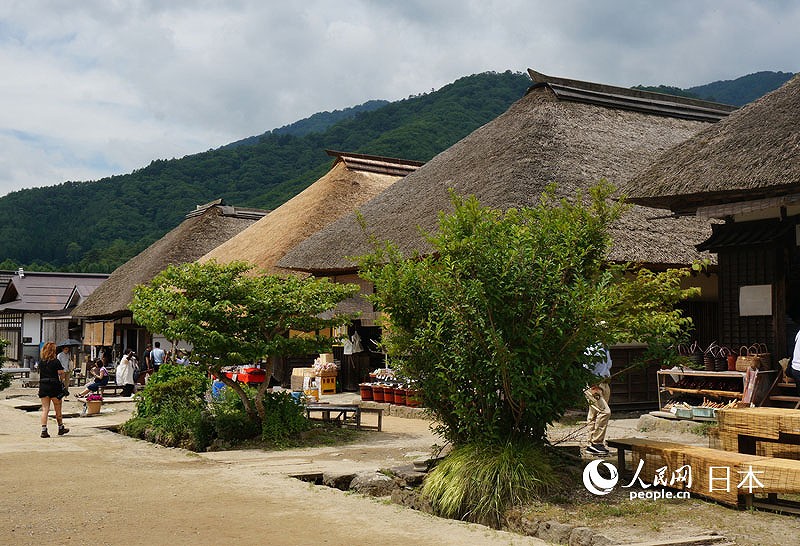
353	180
203	229
542	138
752	154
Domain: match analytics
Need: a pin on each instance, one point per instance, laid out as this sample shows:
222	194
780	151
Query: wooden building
37	307
107	321
353	180
745	170
565	131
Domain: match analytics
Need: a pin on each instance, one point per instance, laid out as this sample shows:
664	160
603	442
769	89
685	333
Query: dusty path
96	487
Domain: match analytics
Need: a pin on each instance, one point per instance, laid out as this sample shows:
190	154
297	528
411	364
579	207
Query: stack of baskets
756	356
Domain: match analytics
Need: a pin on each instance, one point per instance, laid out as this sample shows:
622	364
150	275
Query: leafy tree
232	318
494	324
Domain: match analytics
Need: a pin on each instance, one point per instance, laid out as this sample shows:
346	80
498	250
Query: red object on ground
255	376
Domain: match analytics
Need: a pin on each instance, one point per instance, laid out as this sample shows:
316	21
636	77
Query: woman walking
51	388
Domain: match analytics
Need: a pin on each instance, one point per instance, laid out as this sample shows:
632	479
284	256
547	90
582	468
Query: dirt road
96	487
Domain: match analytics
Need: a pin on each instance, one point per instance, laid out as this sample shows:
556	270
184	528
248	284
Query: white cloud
100	87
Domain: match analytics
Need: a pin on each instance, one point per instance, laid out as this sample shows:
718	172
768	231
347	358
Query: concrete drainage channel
33	408
401	485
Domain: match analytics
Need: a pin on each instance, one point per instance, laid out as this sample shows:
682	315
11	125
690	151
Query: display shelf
706	392
722	386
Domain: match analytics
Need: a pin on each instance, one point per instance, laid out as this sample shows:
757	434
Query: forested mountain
737	92
742	90
96	226
317	123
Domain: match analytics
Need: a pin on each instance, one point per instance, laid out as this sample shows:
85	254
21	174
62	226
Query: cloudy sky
92	88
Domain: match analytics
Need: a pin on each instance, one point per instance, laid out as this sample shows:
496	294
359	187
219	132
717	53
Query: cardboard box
297	377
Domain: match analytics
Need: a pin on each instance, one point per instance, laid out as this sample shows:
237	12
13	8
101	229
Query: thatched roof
508	162
353	180
753	154
202	230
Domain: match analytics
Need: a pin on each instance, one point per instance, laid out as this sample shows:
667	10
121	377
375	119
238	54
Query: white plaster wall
32	328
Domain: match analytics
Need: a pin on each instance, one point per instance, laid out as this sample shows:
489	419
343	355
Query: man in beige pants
66	363
598	396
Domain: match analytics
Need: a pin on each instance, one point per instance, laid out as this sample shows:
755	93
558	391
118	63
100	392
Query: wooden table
343	413
772	432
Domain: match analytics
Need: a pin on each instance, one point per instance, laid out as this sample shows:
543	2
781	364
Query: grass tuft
479	483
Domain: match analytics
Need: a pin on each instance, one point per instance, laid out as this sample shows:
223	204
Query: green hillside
736	92
96	226
742	90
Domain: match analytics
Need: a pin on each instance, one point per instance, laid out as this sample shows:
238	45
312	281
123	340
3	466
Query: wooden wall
752	265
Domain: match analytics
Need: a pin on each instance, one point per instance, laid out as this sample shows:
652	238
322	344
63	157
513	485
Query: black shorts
51	388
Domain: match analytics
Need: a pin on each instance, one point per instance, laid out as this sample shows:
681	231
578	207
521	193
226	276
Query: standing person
597	396
64	358
146	364
51	387
793	367
124	373
158	355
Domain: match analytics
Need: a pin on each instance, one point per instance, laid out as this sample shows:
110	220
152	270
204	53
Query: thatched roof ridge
631	99
353	180
375	164
752	154
194	237
508	163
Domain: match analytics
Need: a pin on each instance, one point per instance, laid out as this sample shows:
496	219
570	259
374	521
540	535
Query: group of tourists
55	370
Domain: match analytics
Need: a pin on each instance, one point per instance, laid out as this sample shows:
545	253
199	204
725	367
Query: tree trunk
262	389
237	388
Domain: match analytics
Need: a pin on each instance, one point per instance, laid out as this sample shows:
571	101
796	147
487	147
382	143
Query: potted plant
93	403
366	391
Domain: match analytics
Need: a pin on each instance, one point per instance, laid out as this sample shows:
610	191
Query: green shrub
284	418
136	427
185	427
171	410
5	381
231	422
479	483
173	386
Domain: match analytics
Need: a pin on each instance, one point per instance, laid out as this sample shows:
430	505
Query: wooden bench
344	413
341	412
628	444
378	412
21	372
778	476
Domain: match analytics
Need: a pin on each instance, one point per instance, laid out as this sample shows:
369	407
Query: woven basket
761	351
747	359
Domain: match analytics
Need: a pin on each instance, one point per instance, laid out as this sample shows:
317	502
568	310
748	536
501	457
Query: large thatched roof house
352	180
565	131
569	132
203	229
752	155
746	170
